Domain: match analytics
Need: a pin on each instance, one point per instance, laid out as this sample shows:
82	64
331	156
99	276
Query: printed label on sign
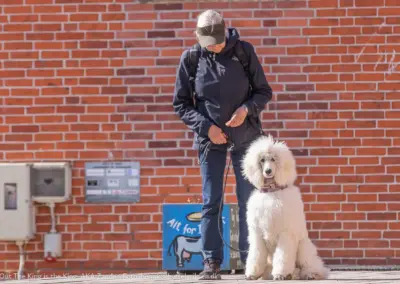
94	192
116	192
115	172
133	182
133	172
95	172
113	182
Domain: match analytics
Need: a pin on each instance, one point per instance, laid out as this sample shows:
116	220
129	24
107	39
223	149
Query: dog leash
230	148
220	211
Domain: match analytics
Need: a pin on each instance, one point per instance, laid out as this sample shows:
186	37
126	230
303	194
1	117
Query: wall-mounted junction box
51	182
52	245
17	213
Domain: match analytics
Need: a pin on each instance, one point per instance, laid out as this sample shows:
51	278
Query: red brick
381	216
372	188
168	6
348	253
350	216
109	255
369	3
25	128
362	12
392	3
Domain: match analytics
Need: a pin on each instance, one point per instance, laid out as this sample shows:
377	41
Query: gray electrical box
51	182
17	213
112	182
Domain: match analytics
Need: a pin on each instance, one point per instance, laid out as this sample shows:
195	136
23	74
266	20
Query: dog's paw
281	277
250	277
312	276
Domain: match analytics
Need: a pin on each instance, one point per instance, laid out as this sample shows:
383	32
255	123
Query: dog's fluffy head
269	159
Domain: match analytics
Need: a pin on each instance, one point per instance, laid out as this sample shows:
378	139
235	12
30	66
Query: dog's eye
262	160
272	160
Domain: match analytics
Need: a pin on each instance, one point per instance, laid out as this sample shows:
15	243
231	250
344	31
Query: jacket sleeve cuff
204	128
248	106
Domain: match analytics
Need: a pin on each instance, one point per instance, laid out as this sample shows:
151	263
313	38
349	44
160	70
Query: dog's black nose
268	171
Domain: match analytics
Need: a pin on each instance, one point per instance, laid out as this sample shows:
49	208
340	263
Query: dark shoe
212	270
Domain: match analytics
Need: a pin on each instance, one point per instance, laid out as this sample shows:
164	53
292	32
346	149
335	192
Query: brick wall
92	80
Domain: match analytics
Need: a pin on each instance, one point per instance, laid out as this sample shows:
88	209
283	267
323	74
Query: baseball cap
210	28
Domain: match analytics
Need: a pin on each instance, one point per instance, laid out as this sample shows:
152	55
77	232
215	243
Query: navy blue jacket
222	86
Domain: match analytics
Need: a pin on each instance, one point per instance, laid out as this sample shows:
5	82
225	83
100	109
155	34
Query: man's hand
216	135
238	117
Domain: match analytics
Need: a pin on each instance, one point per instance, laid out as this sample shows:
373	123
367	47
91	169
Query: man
225	115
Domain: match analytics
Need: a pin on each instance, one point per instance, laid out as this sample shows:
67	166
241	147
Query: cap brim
205	41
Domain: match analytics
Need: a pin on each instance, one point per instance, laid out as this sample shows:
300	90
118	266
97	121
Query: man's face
216	48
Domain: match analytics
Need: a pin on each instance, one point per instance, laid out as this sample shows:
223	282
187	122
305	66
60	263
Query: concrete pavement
347	277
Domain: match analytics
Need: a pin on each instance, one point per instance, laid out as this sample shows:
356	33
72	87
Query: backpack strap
241	55
193	58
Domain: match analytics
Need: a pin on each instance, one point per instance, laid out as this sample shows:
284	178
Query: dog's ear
287	173
251	168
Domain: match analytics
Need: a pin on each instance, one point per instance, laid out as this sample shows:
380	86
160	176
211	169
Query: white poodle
279	245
